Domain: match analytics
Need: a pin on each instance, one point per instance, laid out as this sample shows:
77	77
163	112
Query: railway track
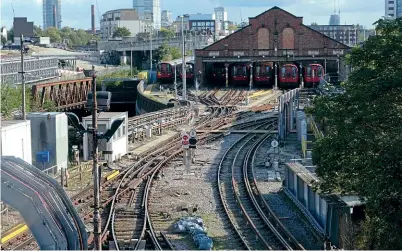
255	230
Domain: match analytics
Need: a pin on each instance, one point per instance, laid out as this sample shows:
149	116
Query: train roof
178	61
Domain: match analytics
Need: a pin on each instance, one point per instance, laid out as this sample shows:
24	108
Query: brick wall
276	21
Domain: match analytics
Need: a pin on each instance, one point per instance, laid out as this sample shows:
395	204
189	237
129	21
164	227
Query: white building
221	19
393	8
149	10
118	143
16	139
3	32
114	19
167	19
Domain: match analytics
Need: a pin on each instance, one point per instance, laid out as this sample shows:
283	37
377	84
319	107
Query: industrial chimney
54	16
93	19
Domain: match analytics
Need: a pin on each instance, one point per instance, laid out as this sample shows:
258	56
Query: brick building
275	35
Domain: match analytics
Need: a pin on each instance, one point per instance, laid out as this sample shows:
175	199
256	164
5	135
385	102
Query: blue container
152	77
43	156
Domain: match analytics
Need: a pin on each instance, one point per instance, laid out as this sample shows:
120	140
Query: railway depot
274	36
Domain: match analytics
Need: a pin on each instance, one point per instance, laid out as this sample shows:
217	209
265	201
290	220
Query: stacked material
194	226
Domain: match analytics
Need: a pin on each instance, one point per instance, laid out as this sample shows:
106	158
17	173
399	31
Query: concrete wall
16	140
145	104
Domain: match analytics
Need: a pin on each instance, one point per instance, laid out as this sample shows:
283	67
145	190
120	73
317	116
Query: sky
76	13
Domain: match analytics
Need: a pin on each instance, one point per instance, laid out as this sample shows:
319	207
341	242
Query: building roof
8	123
106	115
274	8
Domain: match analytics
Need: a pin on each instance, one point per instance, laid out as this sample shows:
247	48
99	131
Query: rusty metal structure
65	95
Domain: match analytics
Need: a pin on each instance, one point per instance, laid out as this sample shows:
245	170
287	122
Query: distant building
334	19
346	34
393	8
114	19
149	10
21	26
221	19
50	18
166	19
3	32
202	23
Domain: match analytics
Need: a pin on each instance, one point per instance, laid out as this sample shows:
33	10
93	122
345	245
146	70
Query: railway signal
184	141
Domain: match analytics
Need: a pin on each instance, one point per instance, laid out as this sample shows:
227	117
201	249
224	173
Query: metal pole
251	76
301	76
24	115
150	53
131	58
227	75
175	81
276	76
95	170
184	61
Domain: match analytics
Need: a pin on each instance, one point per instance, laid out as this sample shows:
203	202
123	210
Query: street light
184	61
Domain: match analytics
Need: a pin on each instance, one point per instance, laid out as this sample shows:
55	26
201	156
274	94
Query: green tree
54	34
121	32
167	33
162	53
38	32
233	27
3	40
10	34
362	151
175	52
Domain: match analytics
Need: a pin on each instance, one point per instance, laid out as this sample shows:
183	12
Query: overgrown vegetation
11	101
362	151
121	32
166	53
117	74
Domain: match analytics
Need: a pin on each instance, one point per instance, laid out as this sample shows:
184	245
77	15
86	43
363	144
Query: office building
114	19
346	34
166	19
51	13
149	10
334	19
221	19
393	8
204	23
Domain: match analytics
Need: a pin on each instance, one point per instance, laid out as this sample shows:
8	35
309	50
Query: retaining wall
145	104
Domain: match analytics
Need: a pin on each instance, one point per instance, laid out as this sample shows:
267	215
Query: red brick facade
285	31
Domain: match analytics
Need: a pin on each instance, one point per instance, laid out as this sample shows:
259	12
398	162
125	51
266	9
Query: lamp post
95	169
276	76
24	115
131	59
150	53
184	61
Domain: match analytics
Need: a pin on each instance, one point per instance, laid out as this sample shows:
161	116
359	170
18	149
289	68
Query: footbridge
43	204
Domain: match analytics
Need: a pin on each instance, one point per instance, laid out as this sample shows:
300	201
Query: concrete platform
157	140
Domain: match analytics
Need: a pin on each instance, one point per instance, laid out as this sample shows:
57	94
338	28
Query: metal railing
314	127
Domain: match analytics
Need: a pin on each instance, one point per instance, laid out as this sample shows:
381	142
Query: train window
239	70
308	71
320	73
283	71
294	71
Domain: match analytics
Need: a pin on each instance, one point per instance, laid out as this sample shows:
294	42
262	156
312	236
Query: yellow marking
260	93
22	228
112	175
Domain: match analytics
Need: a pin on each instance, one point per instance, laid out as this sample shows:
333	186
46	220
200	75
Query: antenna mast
12	6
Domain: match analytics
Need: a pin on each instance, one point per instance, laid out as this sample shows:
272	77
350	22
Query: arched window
288	38
263	39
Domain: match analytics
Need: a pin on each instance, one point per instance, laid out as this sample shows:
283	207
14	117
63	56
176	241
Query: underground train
288	76
312	74
263	74
189	72
218	74
165	72
239	74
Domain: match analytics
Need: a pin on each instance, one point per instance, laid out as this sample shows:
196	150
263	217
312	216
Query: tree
10	34
175	52
162	53
167	33
3	40
54	34
362	151
121	32
233	27
38	31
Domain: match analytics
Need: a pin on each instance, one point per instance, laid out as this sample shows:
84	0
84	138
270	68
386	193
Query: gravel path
178	190
290	216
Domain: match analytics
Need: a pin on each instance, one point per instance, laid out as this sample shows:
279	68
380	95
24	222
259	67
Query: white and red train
165	71
264	74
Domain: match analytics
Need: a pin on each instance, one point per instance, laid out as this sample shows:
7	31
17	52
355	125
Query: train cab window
294	71
320	72
308	71
239	70
283	72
